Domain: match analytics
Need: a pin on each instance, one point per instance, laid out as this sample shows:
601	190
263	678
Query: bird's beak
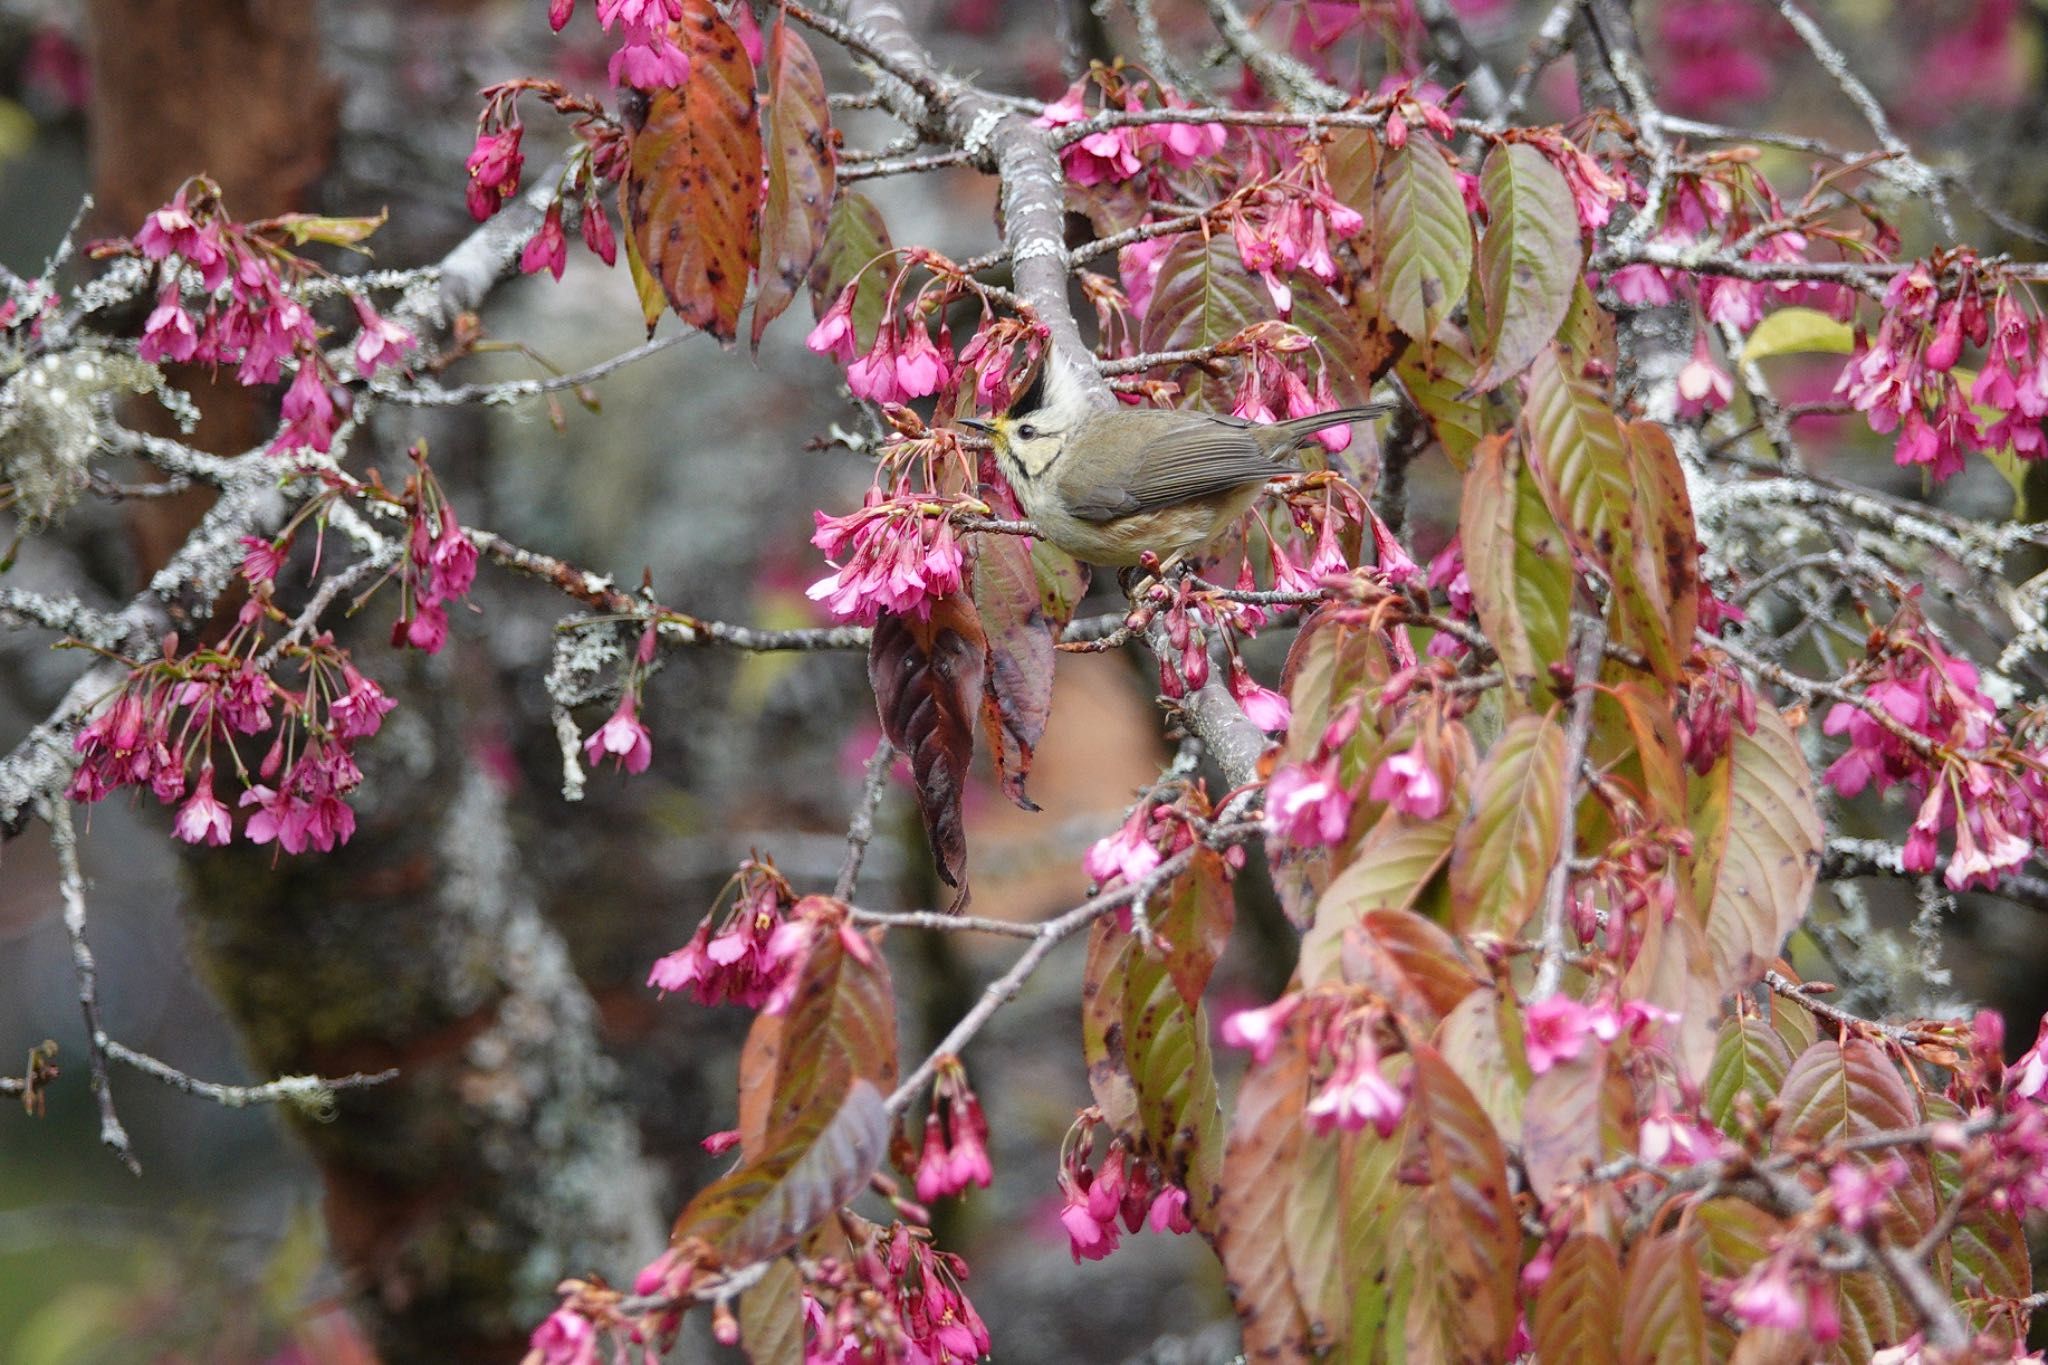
975	424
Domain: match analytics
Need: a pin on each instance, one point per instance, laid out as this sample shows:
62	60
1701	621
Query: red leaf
766	1206
1663	1321
1259	1168
800	174
840	1027
927	677
1022	644
693	178
1410	961
1577	1307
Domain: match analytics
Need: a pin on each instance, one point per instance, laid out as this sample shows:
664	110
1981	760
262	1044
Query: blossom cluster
749	954
250	317
1100	1203
1907	379
1923	722
1113	156
901	1299
1351	1091
648	57
179	714
438	567
897	554
1291	223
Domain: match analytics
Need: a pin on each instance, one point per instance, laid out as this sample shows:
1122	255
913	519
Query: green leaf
1192	922
1662	1319
1667	553
856	245
1503	851
1586	468
1397	860
1799	331
1579	1307
801	174
772	1317
1756	819
1462	1230
1529	258
1260	1165
1749	1058
815	1168
1516	561
312	227
692	185
1315	1216
1438	377
1423	239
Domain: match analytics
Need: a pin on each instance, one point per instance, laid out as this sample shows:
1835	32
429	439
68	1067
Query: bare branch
1556	890
56	812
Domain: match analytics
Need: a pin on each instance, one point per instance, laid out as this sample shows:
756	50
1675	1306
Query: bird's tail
1295	430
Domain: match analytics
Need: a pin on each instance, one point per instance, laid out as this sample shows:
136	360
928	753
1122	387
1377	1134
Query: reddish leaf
1422	240
1757	837
692	185
1192	921
1667	554
1579	1307
840	1027
1528	258
801	173
772	1317
927	677
1021	638
1260	1163
1578	1114
1662	1319
1102	1026
856	239
1503	851
1462	1233
767	1205
1410	961
1516	561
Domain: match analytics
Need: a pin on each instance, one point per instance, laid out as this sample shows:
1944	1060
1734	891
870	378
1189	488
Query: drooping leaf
1584	466
1503	852
1351	160
766	1206
856	244
1481	1040
1799	331
1528	258
772	1317
1578	1309
1022	644
1758	836
1663	1321
1192	920
1103	989
927	677
1588	331
839	1027
1749	1058
1667	553
1673	972
1393	865
1315	1256
1438	377
1515	560
1463	1232
1422	239
1260	1163
1375	1206
692	185
801	174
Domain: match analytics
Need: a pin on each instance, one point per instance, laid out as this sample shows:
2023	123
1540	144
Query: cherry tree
1552	809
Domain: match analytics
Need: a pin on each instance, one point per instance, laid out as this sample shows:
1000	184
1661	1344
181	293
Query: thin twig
56	812
862	827
1556	890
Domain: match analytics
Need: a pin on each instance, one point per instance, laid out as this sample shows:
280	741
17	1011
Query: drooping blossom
891	557
1308	803
170	333
1262	706
1129	854
1703	386
954	1154
1259	1031
622	737
1409	781
1555	1029
203	819
381	342
1357	1094
548	248
749	954
494	166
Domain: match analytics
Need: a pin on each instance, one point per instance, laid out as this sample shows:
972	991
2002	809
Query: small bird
1107	485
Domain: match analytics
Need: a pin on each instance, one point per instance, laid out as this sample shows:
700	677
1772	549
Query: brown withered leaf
1022	645
927	677
692	186
801	174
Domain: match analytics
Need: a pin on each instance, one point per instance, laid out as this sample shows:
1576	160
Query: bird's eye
1026	432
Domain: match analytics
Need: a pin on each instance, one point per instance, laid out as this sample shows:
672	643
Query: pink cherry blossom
203	819
622	737
1409	781
1555	1029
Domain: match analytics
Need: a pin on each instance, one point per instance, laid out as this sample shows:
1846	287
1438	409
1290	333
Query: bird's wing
1184	461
